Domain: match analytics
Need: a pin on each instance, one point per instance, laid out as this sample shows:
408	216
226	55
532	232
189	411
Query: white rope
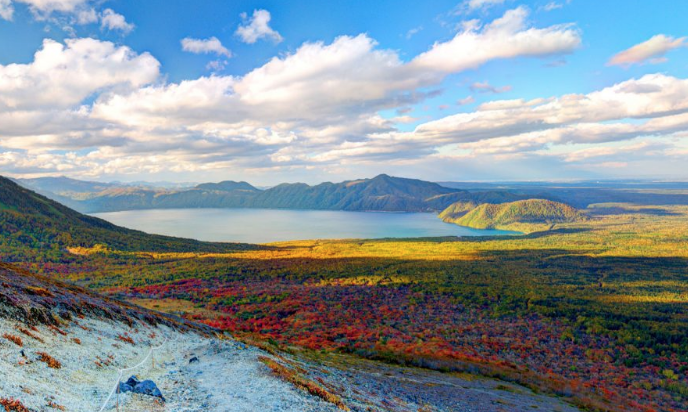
121	373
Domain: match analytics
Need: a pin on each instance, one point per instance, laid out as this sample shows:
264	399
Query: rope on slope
121	373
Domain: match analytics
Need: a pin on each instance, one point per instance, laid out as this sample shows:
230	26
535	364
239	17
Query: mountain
30	220
381	193
525	215
227	186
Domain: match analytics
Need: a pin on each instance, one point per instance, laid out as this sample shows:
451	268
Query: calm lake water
272	225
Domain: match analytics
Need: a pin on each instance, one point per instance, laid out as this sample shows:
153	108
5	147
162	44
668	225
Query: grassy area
594	310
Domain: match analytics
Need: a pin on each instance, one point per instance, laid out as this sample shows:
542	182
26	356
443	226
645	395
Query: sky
312	91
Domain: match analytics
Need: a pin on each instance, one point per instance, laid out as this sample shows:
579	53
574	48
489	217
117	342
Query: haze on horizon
271	92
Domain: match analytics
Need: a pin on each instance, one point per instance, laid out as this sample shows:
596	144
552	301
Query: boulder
147	387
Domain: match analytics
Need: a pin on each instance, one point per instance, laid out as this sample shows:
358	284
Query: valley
586	310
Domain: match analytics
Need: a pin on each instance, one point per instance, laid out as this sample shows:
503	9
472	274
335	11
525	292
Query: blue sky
276	91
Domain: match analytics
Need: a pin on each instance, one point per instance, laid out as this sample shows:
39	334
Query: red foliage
398	323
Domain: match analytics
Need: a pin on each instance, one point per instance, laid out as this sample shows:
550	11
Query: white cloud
257	27
210	45
6	9
506	37
466	100
111	20
412	32
608	151
482	4
43	8
651	51
485	87
63	75
86	16
216	65
553	5
657	105
317	103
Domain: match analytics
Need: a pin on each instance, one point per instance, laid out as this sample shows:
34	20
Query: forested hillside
31	223
526	215
381	193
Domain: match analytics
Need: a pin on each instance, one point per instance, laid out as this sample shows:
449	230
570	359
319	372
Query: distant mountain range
381	193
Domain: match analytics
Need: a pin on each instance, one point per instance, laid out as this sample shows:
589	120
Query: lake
273	225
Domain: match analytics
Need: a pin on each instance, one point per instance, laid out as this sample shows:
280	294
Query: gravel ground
228	376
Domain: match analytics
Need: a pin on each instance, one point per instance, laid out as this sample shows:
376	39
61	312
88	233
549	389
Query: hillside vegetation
61	345
32	223
524	215
593	310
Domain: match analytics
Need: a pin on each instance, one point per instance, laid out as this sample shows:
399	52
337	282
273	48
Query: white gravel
228	376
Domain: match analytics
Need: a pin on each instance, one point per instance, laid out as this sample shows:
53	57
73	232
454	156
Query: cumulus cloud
650	51
111	20
210	45
63	75
506	37
257	27
658	105
6	9
318	105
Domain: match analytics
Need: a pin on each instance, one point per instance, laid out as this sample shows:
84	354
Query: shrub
126	339
54	405
13	405
13	338
29	334
49	360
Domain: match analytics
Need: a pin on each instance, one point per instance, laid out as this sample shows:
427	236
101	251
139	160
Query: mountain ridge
381	193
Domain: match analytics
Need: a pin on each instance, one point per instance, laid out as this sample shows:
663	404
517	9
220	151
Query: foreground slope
61	347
